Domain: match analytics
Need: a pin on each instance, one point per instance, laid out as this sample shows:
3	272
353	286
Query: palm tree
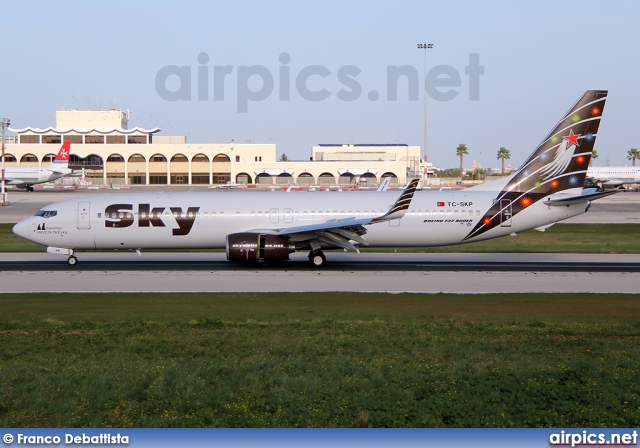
594	155
633	154
503	153
461	150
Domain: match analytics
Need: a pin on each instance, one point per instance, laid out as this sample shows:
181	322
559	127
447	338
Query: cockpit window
47	213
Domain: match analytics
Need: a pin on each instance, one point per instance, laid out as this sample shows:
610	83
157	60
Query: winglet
402	204
64	153
384	185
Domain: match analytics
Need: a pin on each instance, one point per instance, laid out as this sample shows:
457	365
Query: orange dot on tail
487	220
525	201
595	111
580	159
554	183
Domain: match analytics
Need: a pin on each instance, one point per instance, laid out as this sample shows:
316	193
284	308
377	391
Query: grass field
569	238
319	360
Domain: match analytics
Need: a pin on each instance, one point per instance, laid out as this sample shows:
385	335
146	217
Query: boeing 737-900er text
26	176
268	226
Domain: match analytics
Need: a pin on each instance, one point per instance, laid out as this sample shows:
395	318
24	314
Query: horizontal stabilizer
588	194
544	228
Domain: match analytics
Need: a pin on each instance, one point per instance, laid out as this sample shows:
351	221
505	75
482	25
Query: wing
339	233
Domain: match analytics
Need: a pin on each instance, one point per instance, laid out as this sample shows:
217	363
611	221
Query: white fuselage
615	175
31	175
203	220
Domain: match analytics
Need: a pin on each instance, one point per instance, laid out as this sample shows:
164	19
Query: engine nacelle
258	247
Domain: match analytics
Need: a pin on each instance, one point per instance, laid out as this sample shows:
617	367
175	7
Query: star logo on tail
562	158
572	138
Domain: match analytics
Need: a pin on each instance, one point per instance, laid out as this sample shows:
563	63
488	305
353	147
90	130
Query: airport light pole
425	46
4	123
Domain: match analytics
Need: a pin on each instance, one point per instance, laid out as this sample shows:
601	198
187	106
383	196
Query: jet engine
258	247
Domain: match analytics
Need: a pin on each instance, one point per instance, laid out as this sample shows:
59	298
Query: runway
424	273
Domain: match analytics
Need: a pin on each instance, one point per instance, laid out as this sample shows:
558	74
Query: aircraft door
274	216
288	215
505	213
84	215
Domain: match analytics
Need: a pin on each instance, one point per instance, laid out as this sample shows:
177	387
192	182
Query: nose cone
23	228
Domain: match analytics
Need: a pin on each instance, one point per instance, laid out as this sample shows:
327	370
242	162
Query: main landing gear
317	259
72	260
28	188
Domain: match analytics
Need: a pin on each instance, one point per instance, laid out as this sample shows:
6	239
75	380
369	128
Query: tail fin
559	163
64	153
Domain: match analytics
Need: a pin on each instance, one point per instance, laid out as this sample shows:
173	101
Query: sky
300	73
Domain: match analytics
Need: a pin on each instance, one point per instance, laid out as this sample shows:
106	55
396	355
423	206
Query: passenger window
99	215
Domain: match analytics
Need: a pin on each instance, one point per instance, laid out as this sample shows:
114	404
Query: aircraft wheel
317	259
29	188
72	260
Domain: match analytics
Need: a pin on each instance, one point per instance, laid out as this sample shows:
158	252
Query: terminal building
113	154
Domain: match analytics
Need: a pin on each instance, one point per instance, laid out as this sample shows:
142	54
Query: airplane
613	176
269	226
27	176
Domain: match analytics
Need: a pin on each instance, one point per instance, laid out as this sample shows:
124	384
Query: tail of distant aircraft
559	163
63	154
